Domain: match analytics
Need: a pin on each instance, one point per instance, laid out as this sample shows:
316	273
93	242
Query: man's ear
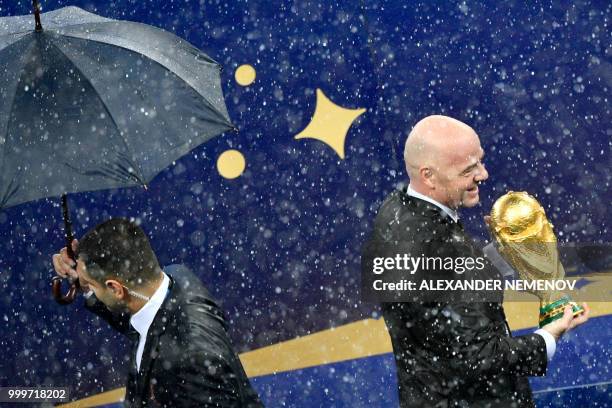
427	177
116	288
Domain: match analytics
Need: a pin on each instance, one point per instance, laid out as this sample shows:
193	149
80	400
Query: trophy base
554	311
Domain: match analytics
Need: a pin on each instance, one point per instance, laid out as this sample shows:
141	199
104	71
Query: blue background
280	245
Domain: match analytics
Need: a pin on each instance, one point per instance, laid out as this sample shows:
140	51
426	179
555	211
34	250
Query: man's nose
483	174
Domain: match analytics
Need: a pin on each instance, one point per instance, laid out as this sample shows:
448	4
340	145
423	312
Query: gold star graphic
330	123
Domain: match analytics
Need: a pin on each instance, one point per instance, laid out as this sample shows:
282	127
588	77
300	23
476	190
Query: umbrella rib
110	115
209	103
209	59
16	34
12	105
11	190
105	172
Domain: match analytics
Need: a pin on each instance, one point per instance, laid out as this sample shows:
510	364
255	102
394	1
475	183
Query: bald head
432	142
439	149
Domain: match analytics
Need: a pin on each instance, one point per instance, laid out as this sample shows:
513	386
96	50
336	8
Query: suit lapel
458	234
151	349
132	384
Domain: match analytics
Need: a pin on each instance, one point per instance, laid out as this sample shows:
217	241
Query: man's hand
65	267
567	322
487	221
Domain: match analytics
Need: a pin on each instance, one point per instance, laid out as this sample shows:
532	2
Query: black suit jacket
188	360
451	354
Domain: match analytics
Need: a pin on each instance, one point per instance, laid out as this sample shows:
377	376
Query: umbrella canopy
90	103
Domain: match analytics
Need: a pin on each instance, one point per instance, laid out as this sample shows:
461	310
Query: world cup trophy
525	239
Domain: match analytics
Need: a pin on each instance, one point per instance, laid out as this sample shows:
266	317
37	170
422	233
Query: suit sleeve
473	336
118	321
203	380
476	345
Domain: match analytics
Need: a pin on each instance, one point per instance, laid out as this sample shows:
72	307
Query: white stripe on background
572	387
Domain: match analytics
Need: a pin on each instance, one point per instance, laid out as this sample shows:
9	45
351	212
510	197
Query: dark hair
118	248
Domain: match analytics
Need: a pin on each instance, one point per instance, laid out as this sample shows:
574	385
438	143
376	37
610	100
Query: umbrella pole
36	7
56	282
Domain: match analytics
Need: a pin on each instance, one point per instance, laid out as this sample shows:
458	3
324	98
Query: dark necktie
459	224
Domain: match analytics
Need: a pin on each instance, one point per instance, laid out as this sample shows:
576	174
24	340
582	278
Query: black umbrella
90	103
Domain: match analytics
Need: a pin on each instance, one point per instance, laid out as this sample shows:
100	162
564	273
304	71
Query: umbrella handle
36	6
56	282
56	289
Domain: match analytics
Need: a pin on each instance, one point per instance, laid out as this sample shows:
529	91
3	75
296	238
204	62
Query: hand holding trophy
525	239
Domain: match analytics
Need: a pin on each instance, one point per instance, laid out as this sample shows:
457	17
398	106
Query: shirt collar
451	213
141	320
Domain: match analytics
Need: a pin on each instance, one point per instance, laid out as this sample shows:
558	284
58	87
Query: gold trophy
525	239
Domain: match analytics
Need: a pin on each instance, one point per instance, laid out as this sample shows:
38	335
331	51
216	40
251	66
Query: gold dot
231	164
245	75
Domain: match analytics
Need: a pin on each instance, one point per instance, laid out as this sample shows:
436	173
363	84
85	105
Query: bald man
453	353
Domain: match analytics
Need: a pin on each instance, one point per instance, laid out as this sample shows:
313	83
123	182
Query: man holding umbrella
181	354
74	83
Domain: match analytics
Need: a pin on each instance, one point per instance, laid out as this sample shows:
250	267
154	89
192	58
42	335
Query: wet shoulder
399	219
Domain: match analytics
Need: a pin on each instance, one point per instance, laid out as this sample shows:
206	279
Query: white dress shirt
141	320
551	344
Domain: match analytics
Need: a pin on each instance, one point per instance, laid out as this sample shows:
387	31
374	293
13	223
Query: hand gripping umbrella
90	103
